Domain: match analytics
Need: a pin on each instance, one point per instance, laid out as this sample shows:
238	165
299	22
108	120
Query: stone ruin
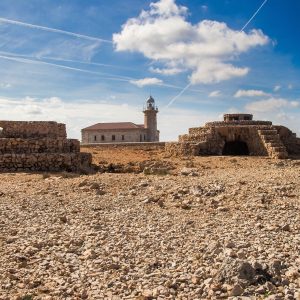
238	134
39	146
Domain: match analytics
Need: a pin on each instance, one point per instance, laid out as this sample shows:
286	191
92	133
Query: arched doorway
235	148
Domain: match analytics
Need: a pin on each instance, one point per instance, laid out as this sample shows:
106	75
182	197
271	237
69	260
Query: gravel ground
221	228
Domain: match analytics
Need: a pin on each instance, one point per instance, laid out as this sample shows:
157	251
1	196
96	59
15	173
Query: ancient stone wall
34	129
289	139
247	134
241	122
260	137
182	149
43	145
39	146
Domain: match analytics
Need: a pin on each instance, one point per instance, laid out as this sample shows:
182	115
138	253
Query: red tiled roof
118	125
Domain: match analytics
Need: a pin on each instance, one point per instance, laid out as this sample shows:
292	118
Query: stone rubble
231	232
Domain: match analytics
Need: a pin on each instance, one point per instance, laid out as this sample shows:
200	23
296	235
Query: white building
125	132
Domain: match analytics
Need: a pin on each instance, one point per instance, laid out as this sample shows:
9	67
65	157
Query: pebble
136	236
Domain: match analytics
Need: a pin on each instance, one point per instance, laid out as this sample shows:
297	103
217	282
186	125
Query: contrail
49	29
253	16
29	61
184	89
100	74
40	58
90	63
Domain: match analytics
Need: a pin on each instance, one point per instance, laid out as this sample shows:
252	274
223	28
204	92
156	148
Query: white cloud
80	114
271	104
5	85
215	94
208	49
285	117
166	71
290	86
146	81
277	88
166	8
214	71
250	93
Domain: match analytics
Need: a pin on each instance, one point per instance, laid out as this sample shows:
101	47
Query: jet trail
102	75
177	96
34	62
253	16
41	58
49	29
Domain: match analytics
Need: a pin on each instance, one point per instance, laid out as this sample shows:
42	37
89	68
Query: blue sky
82	62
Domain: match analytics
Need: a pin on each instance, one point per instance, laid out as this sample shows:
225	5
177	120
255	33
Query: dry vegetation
198	228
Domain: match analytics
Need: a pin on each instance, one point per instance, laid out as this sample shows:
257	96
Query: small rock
230	244
195	279
94	186
63	219
185	205
286	227
188	171
237	290
147	294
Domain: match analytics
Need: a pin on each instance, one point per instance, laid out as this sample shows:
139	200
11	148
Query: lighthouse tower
150	120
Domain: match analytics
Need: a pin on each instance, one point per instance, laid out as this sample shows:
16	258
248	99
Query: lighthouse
150	120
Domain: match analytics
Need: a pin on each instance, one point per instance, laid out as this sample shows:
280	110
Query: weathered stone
39	146
237	290
237	137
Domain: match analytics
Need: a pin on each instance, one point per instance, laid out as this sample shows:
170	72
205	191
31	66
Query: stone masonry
237	135
39	146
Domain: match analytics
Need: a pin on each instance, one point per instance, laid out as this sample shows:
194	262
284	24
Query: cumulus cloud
215	94
271	104
250	93
146	81
208	49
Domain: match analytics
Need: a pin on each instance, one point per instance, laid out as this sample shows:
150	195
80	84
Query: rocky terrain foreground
206	228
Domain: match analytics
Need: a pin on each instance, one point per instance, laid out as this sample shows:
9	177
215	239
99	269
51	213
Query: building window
95	138
123	137
141	138
102	138
113	137
144	137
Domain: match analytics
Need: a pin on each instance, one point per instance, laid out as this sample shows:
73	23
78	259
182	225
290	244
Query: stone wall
290	140
50	162
242	122
39	146
182	149
261	137
34	129
247	134
43	145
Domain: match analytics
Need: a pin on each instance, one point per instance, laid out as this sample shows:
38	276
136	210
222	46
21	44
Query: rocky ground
202	228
